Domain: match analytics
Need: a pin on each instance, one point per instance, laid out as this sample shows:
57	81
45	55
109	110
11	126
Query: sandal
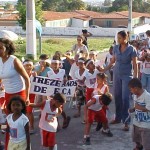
66	122
115	122
126	128
76	116
138	148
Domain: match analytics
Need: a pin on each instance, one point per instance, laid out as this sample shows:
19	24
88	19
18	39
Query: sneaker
87	141
83	122
99	126
107	132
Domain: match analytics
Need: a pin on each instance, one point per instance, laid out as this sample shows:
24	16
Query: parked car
121	26
94	26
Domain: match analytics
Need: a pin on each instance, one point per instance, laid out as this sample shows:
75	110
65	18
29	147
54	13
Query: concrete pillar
31	51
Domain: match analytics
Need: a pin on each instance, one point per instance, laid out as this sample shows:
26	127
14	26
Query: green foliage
21	7
122	5
63	5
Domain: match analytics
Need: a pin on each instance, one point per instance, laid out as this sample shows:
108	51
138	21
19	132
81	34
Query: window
108	23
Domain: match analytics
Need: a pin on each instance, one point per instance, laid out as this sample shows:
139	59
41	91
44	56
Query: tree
21	7
63	5
122	5
119	5
107	3
8	6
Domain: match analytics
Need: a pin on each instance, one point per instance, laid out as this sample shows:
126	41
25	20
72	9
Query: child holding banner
80	94
48	121
28	65
58	74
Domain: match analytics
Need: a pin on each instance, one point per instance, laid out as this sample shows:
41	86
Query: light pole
30	30
130	16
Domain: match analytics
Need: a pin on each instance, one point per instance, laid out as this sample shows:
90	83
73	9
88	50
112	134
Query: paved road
71	138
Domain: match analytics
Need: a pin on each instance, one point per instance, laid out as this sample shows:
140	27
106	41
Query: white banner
45	86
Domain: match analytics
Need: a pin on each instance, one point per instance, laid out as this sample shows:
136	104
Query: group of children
92	91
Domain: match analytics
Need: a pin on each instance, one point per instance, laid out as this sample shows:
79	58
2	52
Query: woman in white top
148	38
80	47
12	72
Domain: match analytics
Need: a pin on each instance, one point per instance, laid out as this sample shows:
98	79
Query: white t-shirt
146	67
141	62
12	80
48	119
73	69
142	119
148	41
99	63
91	79
2	92
80	77
109	57
77	49
102	90
59	76
97	106
17	128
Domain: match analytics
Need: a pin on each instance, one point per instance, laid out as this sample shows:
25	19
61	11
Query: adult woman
80	47
13	75
12	72
124	55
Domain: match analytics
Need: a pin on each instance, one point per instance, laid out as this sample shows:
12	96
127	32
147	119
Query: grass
49	46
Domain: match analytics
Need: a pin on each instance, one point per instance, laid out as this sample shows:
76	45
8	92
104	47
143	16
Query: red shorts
2	102
98	116
9	96
89	92
105	108
31	98
48	138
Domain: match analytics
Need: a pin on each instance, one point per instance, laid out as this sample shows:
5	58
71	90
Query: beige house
120	19
80	19
8	18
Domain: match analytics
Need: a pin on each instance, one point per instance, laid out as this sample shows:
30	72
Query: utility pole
30	30
130	16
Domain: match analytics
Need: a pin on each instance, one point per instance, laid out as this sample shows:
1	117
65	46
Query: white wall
147	20
86	24
77	23
141	29
72	31
58	23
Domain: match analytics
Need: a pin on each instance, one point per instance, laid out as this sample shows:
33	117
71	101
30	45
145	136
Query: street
72	137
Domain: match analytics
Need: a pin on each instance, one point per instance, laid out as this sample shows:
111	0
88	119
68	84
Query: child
145	79
101	88
2	102
93	111
93	56
107	61
141	121
2	95
80	93
48	122
18	125
58	74
90	78
28	65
